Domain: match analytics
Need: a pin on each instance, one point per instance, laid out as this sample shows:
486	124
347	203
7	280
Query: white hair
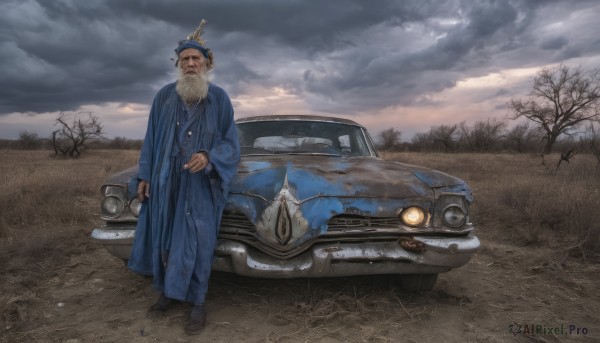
192	88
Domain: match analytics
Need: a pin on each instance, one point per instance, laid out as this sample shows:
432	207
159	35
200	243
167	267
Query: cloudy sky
402	64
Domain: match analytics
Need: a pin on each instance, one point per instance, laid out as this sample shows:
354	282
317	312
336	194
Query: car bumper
343	259
117	240
438	254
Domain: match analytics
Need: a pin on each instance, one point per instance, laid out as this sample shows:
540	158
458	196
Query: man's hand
197	162
143	190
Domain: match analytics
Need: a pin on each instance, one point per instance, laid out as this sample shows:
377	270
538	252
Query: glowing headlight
413	216
454	216
134	206
112	206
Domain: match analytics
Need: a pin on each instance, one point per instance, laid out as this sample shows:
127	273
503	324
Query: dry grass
39	190
48	208
330	310
525	201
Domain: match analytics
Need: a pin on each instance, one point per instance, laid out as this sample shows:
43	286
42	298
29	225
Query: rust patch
332	249
412	245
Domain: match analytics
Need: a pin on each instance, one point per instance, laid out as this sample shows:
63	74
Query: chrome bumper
440	254
117	241
324	260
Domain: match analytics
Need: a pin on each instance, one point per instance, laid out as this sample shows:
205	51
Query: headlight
134	206
454	216
112	206
413	216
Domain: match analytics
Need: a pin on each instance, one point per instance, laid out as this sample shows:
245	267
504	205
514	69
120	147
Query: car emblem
283	230
282	222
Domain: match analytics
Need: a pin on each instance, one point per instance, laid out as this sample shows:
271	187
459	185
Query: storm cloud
342	57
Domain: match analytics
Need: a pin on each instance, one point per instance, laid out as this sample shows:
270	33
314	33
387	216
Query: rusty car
313	198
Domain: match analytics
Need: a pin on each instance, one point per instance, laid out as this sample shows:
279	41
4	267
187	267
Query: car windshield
301	137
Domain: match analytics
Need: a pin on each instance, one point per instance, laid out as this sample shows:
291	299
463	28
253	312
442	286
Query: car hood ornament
283	229
282	221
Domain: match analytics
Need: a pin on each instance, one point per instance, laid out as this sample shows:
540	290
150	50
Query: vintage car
313	198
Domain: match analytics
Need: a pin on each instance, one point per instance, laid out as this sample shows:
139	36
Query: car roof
297	117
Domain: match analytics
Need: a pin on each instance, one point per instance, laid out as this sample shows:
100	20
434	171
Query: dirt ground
83	294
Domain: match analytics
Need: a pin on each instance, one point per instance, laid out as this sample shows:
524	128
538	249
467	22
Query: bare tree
484	135
520	135
562	98
444	136
526	138
421	141
389	139
29	140
72	135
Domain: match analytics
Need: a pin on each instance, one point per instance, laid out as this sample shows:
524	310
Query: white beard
192	88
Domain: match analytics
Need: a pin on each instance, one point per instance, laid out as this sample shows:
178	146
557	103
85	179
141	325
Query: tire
418	282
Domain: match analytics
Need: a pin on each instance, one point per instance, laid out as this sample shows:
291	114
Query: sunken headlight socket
112	206
134	206
454	216
413	216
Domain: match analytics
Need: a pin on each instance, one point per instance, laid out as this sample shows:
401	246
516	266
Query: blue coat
178	225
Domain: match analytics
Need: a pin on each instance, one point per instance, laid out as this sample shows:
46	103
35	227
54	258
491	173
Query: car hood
310	176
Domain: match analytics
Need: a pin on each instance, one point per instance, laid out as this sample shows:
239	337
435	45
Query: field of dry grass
540	234
527	201
47	209
39	190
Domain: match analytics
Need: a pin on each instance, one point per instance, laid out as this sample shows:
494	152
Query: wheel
418	282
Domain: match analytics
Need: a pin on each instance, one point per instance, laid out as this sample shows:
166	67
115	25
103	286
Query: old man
189	156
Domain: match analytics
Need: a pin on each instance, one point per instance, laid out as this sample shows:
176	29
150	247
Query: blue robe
177	227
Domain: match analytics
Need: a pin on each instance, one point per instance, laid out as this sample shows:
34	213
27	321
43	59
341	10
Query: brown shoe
162	304
196	321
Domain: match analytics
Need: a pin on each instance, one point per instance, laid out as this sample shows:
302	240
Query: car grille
236	223
342	228
345	222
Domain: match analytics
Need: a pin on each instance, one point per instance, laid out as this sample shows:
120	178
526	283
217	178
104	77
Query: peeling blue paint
333	176
252	166
318	212
324	187
308	184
